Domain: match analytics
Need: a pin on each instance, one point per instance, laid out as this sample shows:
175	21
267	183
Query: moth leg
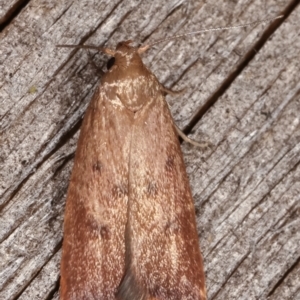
180	133
172	93
192	142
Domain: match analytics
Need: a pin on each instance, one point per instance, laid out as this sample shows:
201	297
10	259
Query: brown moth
130	229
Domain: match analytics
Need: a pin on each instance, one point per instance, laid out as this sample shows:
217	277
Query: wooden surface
242	93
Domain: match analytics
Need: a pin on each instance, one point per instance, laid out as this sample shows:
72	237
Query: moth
129	228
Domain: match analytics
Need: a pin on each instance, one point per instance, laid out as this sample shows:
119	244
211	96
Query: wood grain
242	95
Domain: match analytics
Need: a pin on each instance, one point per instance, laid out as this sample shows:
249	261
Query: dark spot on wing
119	190
169	166
98	167
96	228
104	231
152	189
171	227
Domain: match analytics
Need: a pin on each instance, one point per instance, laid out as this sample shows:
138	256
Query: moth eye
110	63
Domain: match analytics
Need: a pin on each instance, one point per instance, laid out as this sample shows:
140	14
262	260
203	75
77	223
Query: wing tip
130	288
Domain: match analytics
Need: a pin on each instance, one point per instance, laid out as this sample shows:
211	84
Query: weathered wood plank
245	187
8	8
250	180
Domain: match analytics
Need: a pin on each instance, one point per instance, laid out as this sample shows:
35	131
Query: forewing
163	256
94	248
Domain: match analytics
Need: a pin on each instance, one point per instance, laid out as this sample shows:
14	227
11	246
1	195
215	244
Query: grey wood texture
242	94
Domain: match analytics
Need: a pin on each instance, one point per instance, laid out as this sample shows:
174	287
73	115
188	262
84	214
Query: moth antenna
144	48
103	50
